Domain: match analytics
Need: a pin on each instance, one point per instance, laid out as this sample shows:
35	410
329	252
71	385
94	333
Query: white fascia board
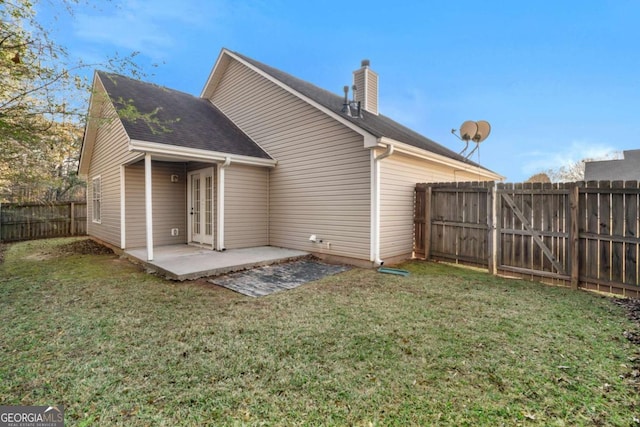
196	154
213	72
306	99
410	150
88	140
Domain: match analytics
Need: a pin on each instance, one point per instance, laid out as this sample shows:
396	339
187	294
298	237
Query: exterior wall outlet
175	232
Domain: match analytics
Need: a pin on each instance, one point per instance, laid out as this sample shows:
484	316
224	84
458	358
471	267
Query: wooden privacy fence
575	234
29	221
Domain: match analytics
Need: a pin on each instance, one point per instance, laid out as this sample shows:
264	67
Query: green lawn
444	346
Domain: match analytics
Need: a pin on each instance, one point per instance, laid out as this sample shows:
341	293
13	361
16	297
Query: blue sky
558	81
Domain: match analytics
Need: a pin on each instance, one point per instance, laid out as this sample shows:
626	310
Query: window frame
96	200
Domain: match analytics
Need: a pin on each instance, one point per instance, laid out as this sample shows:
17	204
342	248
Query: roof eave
196	154
412	151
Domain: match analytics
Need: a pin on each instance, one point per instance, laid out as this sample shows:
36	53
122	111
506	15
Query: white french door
200	206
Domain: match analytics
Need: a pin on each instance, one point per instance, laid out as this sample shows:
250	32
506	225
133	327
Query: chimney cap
365	63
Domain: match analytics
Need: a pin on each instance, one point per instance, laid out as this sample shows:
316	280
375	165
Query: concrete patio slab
186	262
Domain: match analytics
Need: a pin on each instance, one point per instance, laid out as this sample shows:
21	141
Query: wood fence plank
617	230
492	241
427	223
631	230
574	255
582	225
604	232
593	228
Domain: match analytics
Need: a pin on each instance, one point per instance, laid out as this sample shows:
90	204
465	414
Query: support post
492	230
574	237
148	205
427	223
72	215
220	204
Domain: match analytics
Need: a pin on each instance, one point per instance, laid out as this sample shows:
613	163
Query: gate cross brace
536	238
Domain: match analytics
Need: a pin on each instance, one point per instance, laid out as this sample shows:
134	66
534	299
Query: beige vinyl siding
321	184
134	206
110	151
246	213
399	176
169	204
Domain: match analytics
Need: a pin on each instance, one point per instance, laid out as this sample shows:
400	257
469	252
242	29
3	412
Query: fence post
574	255
427	223
73	219
492	232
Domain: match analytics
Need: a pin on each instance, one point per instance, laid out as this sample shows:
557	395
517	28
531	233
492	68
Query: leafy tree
40	130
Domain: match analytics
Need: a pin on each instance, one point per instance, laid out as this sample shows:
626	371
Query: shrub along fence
29	221
582	234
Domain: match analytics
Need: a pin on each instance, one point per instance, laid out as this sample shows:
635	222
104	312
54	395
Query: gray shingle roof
379	126
183	120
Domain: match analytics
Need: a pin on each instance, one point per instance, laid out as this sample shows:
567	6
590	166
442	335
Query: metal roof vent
351	108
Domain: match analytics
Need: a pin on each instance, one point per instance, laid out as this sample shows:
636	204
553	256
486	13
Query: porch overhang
168	152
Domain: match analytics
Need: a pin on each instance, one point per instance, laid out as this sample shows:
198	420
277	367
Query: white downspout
148	205
375	214
220	204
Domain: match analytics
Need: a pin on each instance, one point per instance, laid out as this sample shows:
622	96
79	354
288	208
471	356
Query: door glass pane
195	200
207	209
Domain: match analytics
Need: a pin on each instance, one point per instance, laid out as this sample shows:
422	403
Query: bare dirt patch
76	247
85	247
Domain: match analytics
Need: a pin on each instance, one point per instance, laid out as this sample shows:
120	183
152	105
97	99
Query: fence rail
582	234
29	221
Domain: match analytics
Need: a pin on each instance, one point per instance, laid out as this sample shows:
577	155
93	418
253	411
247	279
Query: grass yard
445	346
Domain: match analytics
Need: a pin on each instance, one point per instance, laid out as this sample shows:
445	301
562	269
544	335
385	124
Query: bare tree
574	171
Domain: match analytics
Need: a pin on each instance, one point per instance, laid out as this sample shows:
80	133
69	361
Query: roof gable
175	118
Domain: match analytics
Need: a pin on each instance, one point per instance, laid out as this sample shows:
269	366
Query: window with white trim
96	199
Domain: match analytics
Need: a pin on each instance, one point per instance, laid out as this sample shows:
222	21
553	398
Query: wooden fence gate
452	222
574	234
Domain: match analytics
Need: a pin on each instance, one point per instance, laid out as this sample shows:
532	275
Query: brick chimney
366	82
